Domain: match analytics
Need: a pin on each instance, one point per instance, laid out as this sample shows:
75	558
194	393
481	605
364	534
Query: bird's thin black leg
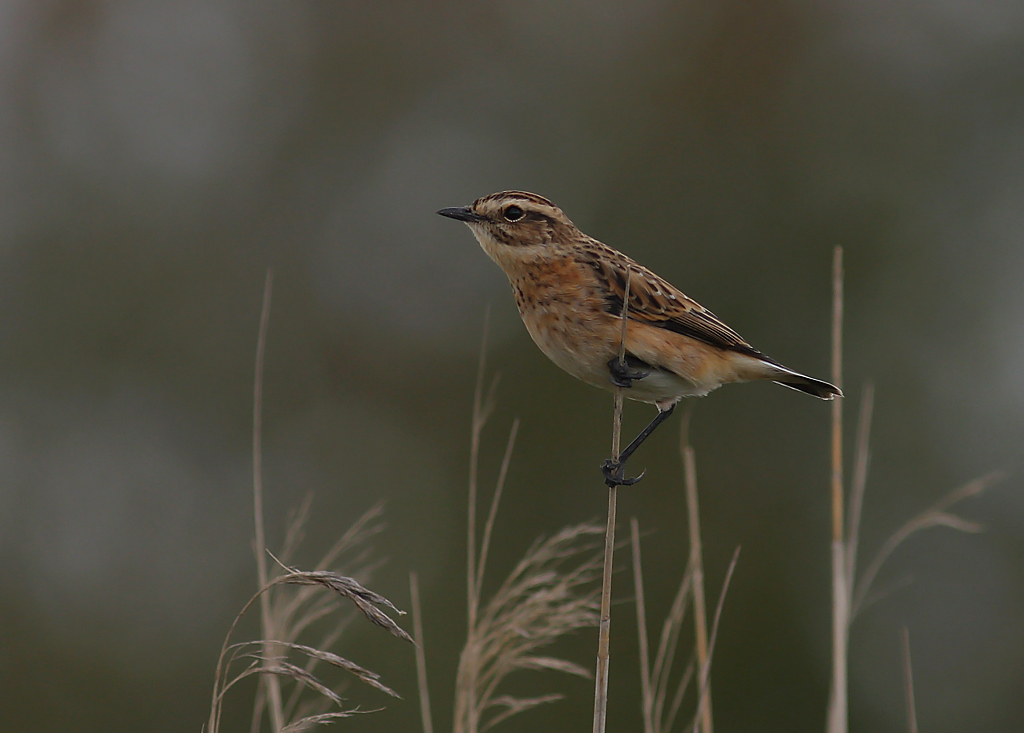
644	434
614	470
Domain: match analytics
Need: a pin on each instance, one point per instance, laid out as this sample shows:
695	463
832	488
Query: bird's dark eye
514	213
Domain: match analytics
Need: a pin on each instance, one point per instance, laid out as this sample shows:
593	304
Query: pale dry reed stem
654	680
908	683
646	691
269	682
858	484
697	568
539	602
848	597
283	618
934	516
668	643
625	318
705	673
421	659
482	408
720	606
837	715
480	415
665	720
677	700
604	630
485	544
837	404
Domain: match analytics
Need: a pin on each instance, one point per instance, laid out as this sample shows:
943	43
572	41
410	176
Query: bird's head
516	226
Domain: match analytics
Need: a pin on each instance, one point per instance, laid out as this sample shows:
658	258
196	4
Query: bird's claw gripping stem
612	468
623	375
615	474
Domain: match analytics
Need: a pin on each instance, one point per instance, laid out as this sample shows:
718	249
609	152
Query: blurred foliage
156	157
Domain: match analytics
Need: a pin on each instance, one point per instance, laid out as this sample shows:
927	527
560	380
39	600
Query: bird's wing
654	301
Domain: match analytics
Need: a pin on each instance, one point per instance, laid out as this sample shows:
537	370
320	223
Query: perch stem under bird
571	290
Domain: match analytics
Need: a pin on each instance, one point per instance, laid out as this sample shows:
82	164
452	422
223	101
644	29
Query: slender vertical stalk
271	683
837	711
421	659
663	660
604	632
705	673
697	569
479	418
466	709
908	683
485	544
858	484
837	404
604	629
646	690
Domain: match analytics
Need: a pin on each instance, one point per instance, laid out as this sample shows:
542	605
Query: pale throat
513	260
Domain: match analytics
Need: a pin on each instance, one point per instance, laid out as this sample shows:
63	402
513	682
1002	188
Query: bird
571	291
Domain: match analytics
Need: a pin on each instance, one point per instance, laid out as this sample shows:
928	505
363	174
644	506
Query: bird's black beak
462	213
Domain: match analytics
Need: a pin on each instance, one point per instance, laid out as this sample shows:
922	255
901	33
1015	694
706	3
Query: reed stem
837	709
605	624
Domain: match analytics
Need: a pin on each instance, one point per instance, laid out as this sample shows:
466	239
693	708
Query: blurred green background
156	157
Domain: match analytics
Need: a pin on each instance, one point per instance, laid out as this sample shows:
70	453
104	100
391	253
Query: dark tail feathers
821	390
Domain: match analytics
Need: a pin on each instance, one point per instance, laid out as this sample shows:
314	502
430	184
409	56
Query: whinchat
570	290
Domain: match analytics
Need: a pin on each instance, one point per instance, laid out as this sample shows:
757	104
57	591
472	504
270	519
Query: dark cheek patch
533	229
503	237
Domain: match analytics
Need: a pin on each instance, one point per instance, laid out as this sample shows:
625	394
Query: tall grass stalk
269	685
837	717
937	515
659	709
547	595
697	569
605	627
421	659
466	708
482	408
908	682
284	618
705	675
851	595
646	688
605	624
665	709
